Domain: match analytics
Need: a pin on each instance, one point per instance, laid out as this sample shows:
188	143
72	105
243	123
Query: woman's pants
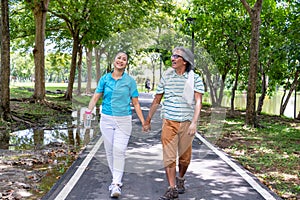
116	132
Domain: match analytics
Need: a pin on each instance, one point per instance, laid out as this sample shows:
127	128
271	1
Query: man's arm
155	103
198	105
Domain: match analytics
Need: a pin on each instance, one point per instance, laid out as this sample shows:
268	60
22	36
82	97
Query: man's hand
146	126
192	129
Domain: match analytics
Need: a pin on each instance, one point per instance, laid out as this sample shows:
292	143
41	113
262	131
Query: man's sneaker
180	185
115	191
171	194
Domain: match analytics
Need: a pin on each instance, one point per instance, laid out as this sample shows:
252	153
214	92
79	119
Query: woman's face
120	61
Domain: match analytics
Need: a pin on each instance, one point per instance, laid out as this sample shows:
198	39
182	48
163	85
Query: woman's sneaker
180	185
171	194
115	191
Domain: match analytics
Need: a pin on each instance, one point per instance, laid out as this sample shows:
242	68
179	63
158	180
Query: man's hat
186	54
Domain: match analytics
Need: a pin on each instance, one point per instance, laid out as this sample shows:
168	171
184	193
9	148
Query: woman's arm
138	109
94	100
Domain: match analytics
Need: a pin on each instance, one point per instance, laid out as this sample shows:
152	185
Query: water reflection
37	138
71	133
4	140
271	104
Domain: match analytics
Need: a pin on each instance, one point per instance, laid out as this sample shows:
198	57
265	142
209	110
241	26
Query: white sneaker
115	191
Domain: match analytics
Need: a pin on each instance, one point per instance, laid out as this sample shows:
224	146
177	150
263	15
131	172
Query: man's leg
182	170
185	154
169	139
171	175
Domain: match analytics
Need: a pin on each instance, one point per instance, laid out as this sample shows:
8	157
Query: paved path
211	176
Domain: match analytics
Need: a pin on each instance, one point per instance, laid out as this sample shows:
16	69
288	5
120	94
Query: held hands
146	126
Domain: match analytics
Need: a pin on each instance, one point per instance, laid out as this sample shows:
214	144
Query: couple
182	91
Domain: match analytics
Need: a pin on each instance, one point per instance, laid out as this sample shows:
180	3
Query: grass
271	153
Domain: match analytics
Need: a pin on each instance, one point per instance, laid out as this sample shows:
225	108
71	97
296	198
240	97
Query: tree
79	69
92	20
292	87
291	47
221	32
5	63
254	51
39	9
80	18
89	56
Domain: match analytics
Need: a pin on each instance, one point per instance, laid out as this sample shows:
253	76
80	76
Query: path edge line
264	193
76	176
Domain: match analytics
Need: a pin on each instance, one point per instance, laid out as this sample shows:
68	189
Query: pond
32	160
69	133
271	104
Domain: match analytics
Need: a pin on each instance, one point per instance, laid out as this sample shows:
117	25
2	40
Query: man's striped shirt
175	107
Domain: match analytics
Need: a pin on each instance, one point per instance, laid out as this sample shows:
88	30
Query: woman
117	90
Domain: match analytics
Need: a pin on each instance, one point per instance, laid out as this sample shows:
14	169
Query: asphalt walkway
212	175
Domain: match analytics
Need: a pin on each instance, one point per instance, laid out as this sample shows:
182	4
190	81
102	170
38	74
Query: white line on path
72	182
240	171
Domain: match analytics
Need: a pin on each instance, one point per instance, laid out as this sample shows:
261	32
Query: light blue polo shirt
117	94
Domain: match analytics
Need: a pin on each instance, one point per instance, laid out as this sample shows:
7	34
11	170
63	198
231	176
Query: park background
247	53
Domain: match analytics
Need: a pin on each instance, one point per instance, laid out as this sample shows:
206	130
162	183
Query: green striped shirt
175	107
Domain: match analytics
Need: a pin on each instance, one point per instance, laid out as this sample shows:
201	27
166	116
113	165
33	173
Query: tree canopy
239	45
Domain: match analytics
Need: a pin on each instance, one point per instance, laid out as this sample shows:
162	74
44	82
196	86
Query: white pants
116	132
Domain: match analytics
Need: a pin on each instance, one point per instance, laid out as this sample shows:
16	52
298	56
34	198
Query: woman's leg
107	127
121	137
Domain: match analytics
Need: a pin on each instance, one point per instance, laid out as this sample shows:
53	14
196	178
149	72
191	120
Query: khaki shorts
176	141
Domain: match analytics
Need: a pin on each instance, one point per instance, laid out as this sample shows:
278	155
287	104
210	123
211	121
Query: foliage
271	152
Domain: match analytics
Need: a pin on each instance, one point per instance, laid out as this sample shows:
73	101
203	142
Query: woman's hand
146	126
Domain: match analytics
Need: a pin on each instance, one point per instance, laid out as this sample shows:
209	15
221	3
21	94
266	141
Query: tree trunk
208	75
292	88
97	60
40	12
254	50
79	68
263	91
109	63
76	42
98	53
5	63
236	79
221	91
153	72
38	138
89	70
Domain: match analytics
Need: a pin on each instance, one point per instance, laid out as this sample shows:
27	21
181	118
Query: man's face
177	60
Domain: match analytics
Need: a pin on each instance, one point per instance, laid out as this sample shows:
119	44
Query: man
182	91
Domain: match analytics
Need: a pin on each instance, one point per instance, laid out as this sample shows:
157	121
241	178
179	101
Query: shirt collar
185	74
110	75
